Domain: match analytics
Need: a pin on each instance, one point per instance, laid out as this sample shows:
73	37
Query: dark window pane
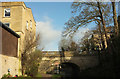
7	12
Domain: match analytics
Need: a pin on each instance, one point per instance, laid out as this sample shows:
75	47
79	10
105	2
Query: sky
50	18
119	8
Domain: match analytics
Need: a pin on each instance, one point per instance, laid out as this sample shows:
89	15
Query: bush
7	75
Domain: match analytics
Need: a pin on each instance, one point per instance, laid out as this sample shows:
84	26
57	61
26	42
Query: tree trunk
103	22
116	30
115	19
102	39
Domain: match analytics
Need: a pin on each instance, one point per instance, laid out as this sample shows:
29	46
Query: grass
56	76
38	75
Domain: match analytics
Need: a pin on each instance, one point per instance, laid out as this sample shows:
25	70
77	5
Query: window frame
4	12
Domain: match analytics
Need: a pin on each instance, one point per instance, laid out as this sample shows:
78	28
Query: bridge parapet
50	58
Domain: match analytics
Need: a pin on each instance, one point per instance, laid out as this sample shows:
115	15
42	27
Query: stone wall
83	62
8	62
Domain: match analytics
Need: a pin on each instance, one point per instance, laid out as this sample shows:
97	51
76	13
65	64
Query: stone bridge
52	59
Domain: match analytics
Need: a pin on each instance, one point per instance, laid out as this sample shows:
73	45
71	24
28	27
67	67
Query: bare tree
102	19
115	19
30	44
87	12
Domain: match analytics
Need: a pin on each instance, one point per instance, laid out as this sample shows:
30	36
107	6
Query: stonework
97	39
8	62
8	54
19	15
21	21
51	59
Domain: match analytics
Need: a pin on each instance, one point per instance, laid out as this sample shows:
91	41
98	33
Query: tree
64	44
115	19
30	44
102	19
32	63
87	12
68	44
87	43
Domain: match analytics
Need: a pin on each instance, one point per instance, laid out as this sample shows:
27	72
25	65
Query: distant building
9	52
19	18
97	38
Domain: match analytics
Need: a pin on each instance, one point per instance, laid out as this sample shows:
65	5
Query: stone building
97	37
19	18
97	40
9	51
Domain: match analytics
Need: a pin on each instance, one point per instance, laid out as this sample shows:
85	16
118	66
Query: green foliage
38	75
32	63
6	75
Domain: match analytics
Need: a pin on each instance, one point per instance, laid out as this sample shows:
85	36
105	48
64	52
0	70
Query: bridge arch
68	69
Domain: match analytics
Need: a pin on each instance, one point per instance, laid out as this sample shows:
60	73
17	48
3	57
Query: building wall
9	43
97	39
8	55
0	49
15	18
8	62
19	15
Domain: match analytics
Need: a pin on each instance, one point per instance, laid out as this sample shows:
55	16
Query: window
27	24
30	23
7	24
7	12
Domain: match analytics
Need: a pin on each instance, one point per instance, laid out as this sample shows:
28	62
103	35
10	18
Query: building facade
19	18
98	42
8	54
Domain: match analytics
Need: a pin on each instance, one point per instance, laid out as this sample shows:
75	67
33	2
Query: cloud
80	34
50	36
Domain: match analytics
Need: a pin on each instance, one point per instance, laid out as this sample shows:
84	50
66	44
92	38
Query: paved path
46	76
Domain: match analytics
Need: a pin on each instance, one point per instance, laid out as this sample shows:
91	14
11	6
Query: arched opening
68	69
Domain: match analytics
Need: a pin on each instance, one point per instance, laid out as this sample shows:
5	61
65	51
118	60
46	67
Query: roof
9	30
